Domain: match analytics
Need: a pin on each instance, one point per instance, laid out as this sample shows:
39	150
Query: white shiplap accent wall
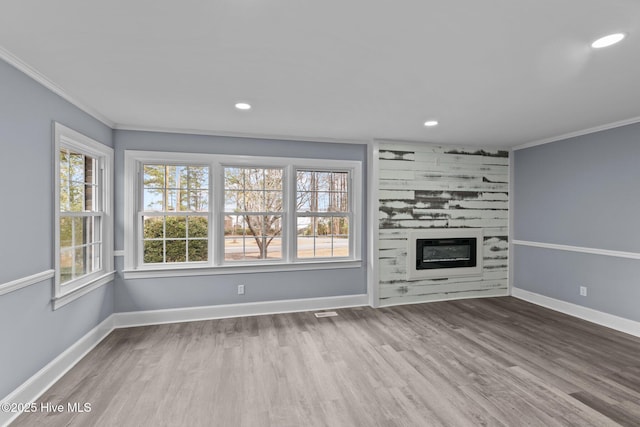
425	186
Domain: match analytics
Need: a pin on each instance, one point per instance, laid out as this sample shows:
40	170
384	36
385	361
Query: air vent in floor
326	314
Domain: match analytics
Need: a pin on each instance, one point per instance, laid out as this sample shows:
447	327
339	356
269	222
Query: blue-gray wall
32	333
583	191
175	292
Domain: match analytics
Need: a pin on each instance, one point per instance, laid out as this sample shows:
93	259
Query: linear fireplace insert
444	253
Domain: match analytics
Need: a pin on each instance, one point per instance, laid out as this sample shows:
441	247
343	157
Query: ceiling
493	73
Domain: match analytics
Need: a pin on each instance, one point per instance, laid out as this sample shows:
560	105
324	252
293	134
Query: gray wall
152	294
32	333
583	191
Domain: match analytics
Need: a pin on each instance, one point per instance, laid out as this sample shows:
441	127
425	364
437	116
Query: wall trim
194	314
36	75
574	134
23	282
373	235
203	132
42	380
511	218
581	249
621	324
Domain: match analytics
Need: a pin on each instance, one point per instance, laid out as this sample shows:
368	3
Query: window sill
64	299
149	273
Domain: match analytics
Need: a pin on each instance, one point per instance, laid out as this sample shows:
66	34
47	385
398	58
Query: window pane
153	251
254	201
171	200
66	231
194	201
176	250
323	237
253	237
198	250
76	167
153	227
274	248
78	231
95	257
273	179
79	262
273	201
303	181
170	180
76	196
176	227
154	176
66	265
233	201
153	200
253	190
64	194
198	178
198	226
182	177
306	247
340	237
239	248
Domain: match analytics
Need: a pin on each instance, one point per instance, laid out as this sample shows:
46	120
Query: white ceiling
494	72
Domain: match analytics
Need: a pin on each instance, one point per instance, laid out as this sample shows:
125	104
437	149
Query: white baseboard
33	388
192	314
621	324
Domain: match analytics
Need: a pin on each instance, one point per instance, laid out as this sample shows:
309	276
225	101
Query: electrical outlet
583	291
240	289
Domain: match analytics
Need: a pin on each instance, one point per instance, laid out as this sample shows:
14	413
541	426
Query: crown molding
574	134
203	132
27	69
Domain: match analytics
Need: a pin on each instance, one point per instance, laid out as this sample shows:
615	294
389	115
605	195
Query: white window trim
216	265
65	137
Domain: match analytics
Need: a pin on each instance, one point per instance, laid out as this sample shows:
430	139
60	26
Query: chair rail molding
23	282
569	248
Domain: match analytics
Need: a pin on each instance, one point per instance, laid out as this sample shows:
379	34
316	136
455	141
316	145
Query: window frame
67	138
134	160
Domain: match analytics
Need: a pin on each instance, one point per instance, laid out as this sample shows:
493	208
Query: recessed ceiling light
430	123
243	106
607	40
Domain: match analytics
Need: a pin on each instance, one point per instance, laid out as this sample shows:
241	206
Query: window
253	213
208	214
175	214
323	214
83	248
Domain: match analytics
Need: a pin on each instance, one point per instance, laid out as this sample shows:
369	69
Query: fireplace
443	253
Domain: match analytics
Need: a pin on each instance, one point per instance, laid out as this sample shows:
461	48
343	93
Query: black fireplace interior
445	253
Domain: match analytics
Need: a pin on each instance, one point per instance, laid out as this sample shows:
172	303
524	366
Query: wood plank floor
484	362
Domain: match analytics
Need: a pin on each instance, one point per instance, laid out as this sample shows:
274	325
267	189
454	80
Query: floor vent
326	314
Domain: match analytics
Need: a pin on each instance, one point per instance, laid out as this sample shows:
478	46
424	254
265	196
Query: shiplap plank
439	223
435	165
477	186
397	233
384	302
391	291
396	174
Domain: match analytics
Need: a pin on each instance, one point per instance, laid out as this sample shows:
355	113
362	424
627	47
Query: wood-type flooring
476	362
